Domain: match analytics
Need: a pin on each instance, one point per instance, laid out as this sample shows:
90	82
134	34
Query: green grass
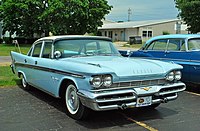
7	78
6	48
136	46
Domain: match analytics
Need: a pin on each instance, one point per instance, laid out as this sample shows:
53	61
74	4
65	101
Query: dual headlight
101	80
173	75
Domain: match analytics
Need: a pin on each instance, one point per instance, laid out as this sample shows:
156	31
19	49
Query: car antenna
17	45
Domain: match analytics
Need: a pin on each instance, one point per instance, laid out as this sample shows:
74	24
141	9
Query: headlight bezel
177	75
170	76
107	80
104	80
174	75
94	83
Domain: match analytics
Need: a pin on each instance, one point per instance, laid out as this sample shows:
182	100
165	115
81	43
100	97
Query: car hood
122	66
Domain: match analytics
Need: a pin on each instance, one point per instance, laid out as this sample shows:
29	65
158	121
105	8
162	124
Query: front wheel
25	85
75	109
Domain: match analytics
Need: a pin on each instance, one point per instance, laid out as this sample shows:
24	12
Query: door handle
25	60
35	62
167	52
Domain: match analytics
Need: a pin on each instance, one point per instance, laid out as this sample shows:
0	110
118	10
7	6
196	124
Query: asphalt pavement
38	111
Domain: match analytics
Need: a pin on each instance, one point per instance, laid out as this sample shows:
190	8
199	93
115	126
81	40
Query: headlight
177	75
170	76
107	80
96	81
101	80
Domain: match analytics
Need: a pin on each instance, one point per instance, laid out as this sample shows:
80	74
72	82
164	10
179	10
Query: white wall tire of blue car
25	85
75	109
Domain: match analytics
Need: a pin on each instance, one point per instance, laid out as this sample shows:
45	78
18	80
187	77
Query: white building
121	31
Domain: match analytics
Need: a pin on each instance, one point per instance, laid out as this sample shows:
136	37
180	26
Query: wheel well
19	74
63	87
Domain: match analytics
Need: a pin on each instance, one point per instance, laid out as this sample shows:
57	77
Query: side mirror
57	54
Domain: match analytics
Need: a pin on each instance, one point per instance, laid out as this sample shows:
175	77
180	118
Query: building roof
134	24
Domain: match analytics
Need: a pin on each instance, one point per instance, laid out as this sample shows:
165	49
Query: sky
142	10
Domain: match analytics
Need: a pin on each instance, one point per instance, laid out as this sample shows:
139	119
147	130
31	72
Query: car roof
180	36
60	37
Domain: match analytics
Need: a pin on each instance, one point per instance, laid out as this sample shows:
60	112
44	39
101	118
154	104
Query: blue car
88	72
183	49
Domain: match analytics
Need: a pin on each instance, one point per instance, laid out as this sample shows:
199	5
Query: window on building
147	33
110	34
105	33
144	33
150	33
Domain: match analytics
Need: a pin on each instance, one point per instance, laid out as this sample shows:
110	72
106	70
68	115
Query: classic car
88	72
183	49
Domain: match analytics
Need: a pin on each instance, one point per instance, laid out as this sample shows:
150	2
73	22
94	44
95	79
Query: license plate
144	101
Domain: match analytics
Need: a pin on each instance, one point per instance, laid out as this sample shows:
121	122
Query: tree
189	11
26	17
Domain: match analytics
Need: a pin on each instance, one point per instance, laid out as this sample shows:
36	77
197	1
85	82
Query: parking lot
35	110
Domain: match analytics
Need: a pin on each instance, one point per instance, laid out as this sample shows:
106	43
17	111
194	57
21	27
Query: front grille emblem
146	88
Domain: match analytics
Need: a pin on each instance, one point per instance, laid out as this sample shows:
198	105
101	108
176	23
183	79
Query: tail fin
17	46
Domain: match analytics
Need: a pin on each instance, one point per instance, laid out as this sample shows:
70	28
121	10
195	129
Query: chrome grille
140	83
130	84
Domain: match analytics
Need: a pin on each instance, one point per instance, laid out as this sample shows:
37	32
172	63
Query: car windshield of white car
84	47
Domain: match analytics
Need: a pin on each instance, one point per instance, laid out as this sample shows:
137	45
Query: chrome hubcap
24	82
72	100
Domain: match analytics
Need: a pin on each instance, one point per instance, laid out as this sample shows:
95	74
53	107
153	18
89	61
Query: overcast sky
142	10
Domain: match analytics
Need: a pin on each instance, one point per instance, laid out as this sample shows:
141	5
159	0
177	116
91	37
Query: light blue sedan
89	73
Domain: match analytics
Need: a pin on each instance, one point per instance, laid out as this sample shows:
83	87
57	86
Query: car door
154	50
194	50
42	74
176	52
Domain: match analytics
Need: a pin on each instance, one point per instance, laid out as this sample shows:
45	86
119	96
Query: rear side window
47	50
175	45
37	49
158	45
194	44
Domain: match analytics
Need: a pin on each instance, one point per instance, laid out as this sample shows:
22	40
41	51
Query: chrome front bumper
115	99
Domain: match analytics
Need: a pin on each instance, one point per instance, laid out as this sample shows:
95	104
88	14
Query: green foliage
165	33
26	17
189	11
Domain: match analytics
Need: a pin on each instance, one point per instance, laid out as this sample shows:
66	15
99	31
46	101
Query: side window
37	49
194	44
30	51
158	45
174	44
47	50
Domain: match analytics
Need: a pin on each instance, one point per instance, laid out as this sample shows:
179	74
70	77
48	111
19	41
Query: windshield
194	44
80	48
